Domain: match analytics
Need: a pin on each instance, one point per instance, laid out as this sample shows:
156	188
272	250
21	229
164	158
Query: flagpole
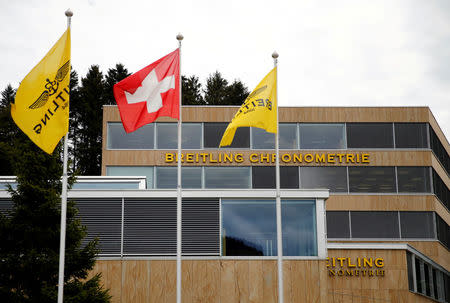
278	198
179	200
62	241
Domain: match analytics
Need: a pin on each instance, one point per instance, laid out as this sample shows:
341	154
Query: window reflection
332	178
249	228
166	177
142	138
227	177
372	179
299	228
288	136
322	136
262	139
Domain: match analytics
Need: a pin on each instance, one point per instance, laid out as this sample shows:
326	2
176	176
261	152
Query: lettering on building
355	267
268	158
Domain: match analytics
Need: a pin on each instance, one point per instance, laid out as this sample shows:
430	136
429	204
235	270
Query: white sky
332	53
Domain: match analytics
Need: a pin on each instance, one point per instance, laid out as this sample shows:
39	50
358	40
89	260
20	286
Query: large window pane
374	224
262	139
227	177
142	138
411	135
299	228
370	135
417	224
167	134
372	179
413	179
263	176
192	135
288	135
409	262
443	231
439	150
332	178
146	171
338	224
322	136
213	133
166	177
249	228
289	177
441	190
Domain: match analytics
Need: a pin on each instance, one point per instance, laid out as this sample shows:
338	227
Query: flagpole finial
180	37
275	55
69	13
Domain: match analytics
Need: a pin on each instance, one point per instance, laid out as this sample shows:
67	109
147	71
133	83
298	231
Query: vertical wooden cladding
255	281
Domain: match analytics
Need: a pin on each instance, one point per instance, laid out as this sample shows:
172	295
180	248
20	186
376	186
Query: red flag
152	92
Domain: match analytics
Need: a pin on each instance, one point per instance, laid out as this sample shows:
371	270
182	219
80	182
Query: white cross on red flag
152	92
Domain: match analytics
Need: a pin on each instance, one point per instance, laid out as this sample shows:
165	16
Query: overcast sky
332	53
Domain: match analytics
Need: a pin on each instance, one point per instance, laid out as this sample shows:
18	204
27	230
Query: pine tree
114	75
8	130
88	152
236	93
29	236
192	91
216	89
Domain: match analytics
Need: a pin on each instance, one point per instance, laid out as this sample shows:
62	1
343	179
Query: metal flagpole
179	200
278	198
62	240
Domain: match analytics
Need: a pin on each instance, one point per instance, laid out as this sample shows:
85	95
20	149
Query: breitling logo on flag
41	107
258	110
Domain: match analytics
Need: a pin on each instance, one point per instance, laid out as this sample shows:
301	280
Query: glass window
413	179
426	270
338	225
262	139
417	224
419	276
167	133
166	177
227	177
377	179
443	231
322	136
299	227
439	150
213	133
192	135
146	171
410	272
249	228
263	176
370	135
411	135
288	136
374	224
106	185
289	177
332	178
142	138
441	190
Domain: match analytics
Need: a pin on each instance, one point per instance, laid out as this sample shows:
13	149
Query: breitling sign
315	158
355	267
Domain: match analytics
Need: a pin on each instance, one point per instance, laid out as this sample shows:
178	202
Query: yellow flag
259	109
41	107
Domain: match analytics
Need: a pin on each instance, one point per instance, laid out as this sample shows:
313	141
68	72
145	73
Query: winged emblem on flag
51	87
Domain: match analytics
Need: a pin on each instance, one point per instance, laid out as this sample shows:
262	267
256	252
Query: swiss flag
152	92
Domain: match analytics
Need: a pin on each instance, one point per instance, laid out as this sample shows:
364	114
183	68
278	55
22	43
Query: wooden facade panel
255	281
255	292
382	202
270	281
228	288
299	114
157	281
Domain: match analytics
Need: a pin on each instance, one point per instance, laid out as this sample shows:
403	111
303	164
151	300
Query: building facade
365	207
